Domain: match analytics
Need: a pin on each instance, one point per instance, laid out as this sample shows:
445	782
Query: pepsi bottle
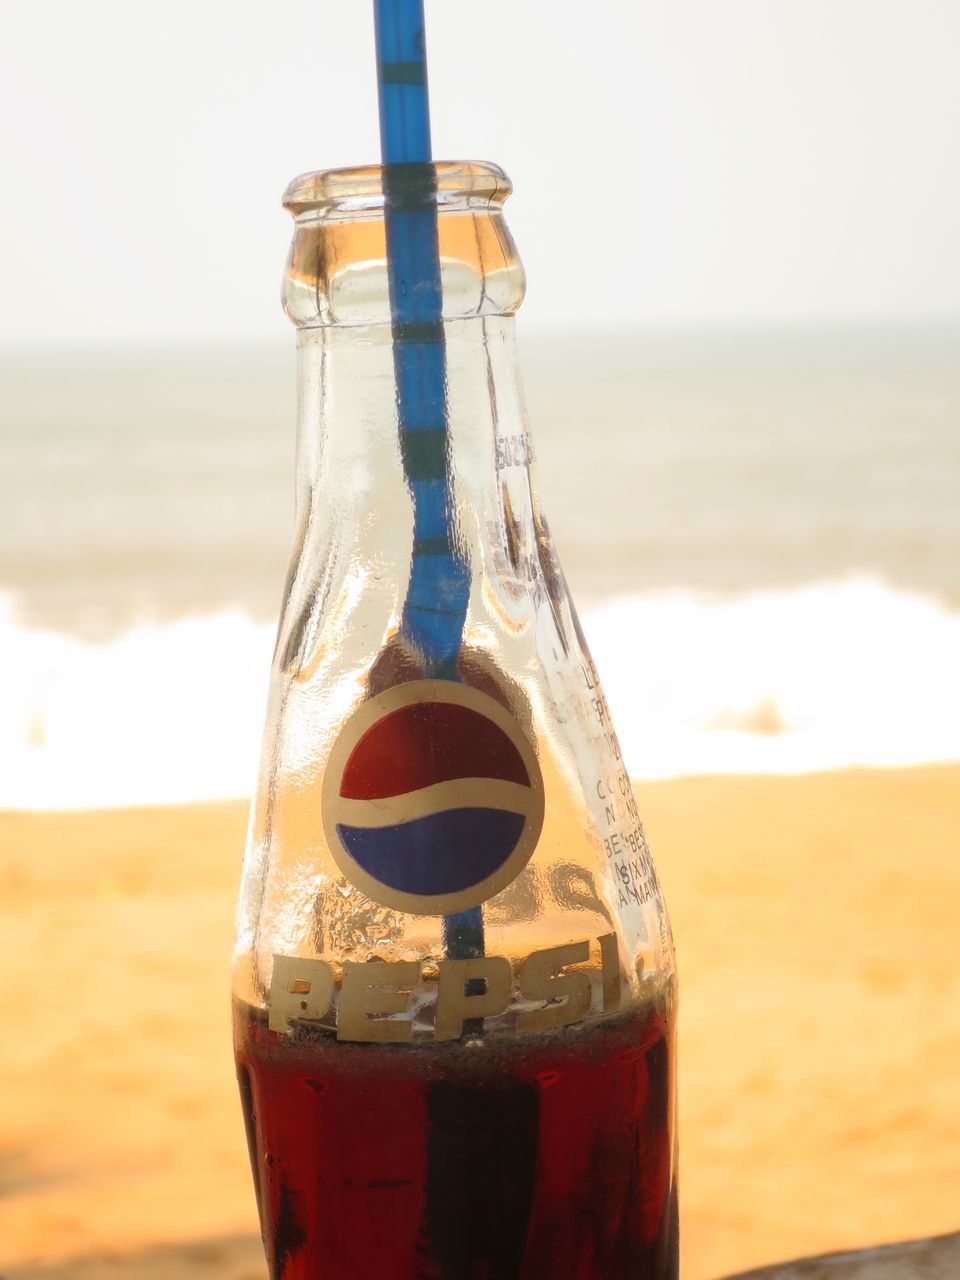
454	984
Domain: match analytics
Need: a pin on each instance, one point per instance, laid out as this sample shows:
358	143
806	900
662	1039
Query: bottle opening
337	269
354	191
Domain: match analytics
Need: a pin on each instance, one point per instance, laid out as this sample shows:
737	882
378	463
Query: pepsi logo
432	798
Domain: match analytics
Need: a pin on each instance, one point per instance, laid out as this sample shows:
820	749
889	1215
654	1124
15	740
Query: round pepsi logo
432	798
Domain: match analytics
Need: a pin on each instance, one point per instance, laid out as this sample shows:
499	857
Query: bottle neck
371	527
349	450
396	424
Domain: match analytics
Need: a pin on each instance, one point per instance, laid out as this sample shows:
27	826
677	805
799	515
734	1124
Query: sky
721	162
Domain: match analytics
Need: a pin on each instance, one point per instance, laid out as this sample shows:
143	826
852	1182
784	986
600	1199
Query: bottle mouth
337	269
356	191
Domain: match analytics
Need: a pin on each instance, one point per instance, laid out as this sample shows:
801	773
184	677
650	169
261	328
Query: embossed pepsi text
454	982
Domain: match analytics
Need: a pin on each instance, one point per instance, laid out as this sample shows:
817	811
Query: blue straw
435	607
402	82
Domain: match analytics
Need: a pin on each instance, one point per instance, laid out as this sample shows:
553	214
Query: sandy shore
816	920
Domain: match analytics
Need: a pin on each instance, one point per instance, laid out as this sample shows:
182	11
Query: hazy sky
745	160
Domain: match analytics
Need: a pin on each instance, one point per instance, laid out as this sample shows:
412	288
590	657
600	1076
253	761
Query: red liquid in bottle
545	1157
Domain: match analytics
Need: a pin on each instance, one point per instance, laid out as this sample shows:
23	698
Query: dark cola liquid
535	1158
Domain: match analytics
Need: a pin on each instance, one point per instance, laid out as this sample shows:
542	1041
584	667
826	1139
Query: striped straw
435	607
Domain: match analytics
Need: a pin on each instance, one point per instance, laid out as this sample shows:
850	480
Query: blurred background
741	348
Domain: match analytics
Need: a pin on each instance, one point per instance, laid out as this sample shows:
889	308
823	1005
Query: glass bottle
454	982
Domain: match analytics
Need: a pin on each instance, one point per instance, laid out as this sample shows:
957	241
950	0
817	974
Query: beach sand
816	924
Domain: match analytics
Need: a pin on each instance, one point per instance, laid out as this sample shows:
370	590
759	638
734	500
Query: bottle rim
361	188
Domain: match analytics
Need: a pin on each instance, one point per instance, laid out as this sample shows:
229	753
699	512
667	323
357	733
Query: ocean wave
162	714
820	677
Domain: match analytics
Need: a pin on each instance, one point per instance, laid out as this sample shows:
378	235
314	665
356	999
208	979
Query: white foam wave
787	681
820	677
162	714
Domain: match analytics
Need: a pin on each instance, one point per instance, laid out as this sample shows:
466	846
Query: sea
761	530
